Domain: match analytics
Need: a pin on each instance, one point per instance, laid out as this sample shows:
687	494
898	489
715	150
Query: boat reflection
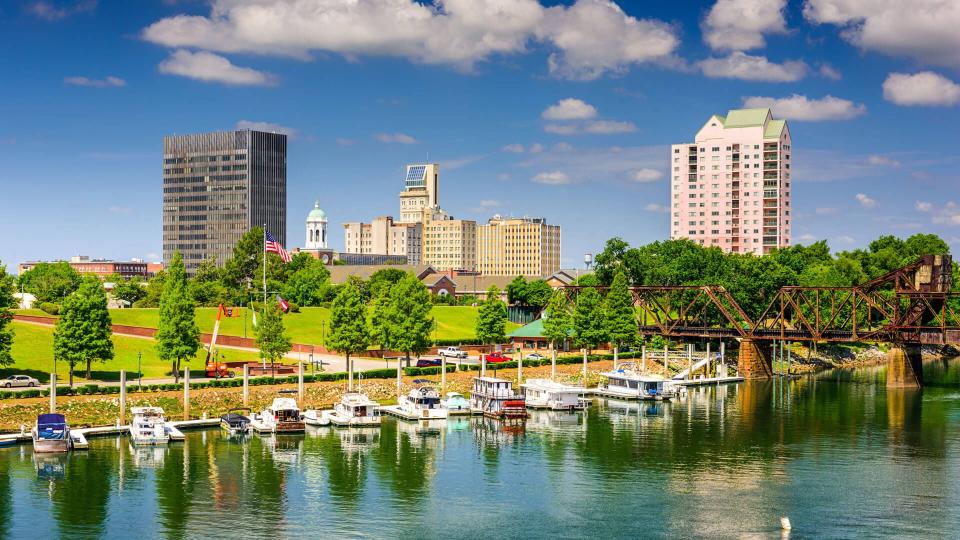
285	449
49	466
148	457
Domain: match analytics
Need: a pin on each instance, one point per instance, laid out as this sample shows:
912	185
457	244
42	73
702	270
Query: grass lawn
33	355
453	322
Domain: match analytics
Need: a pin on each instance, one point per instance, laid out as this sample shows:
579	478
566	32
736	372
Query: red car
496	358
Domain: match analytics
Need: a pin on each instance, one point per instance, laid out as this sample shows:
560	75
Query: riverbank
85	411
849	356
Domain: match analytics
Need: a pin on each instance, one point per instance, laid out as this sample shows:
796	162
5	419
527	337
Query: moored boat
354	409
422	402
235	422
148	426
627	382
313	417
496	398
547	394
456	403
283	416
51	434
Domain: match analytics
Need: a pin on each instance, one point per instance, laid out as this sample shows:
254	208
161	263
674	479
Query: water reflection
838	453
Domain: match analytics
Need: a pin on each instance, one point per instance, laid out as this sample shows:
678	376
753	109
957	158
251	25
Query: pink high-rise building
731	187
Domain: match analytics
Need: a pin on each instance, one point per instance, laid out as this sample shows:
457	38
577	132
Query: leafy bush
49	307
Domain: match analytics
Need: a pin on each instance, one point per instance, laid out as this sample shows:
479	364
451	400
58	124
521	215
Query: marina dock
174	429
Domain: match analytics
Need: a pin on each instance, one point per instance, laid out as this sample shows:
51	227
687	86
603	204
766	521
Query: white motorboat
456	403
148	426
547	394
354	409
313	417
283	416
51	434
496	398
628	382
422	402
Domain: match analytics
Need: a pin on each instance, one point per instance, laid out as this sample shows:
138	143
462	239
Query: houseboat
51	434
495	398
354	409
148	426
422	402
547	394
283	416
236	421
627	382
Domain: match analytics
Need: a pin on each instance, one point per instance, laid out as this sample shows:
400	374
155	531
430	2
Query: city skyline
528	123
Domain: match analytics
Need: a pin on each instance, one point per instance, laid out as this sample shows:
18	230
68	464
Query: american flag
283	303
272	246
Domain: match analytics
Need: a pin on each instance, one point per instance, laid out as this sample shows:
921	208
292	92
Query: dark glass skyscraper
216	187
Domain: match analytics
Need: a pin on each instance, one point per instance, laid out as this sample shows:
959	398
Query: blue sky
563	110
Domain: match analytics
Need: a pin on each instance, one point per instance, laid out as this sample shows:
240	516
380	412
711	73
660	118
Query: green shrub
49	308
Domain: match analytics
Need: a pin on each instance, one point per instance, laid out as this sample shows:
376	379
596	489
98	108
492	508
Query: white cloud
268	127
47	11
609	127
830	72
865	201
924	88
562	147
399	138
882	161
598	165
922	29
535	148
738	25
826	211
589	38
658	208
569	109
644	176
560	129
739	65
553	178
489	203
923	206
514	148
800	108
209	67
109	81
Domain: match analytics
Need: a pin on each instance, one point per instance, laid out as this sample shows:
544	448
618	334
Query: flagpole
264	306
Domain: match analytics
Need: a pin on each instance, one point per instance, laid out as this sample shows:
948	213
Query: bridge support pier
753	362
905	366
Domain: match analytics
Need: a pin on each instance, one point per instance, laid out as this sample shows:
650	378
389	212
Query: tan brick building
508	246
448	243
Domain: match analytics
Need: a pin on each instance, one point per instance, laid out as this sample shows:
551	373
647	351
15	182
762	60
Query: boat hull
354	421
51	446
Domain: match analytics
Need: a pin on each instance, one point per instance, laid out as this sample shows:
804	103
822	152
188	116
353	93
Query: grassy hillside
33	355
453	322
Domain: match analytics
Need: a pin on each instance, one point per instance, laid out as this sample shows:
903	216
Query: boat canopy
284	404
51	419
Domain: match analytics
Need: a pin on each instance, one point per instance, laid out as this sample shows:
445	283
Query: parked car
496	358
534	356
429	362
20	380
453	352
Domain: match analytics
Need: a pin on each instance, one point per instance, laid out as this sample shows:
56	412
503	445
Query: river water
837	453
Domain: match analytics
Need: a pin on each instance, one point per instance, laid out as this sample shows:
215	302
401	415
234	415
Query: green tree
83	330
154	291
7	303
207	287
409	316
383	280
272	339
588	319
557	324
244	267
50	282
349	330
177	337
517	291
307	286
130	290
538	293
492	320
621	318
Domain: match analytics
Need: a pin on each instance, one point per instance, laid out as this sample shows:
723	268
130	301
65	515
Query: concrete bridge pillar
753	362
904	366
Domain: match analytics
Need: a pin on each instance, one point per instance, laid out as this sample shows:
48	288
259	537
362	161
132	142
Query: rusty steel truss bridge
910	305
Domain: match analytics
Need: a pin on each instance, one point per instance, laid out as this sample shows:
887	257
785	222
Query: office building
99	267
508	246
730	188
420	191
383	236
448	243
216	187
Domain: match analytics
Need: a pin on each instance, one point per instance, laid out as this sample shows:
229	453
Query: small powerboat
148	426
283	416
313	417
235	422
51	434
455	402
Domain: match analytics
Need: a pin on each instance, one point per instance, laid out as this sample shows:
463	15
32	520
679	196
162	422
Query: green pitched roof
774	129
531	330
745	117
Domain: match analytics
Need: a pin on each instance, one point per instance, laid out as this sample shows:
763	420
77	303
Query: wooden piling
123	397
300	384
443	375
53	393
246	385
643	359
519	355
584	365
186	393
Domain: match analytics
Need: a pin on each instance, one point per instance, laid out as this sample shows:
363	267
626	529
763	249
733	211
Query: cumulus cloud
609	127
882	161
109	81
801	108
738	25
268	127
209	67
588	39
865	201
924	88
922	29
399	138
535	148
560	129
658	208
553	178
644	176
924	206
569	109
830	72
739	65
